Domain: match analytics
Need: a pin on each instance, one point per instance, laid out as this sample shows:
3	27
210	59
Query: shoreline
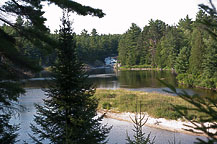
146	69
199	87
159	123
172	71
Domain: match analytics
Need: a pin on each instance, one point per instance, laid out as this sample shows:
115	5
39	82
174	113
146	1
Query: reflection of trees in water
128	79
105	82
139	79
101	71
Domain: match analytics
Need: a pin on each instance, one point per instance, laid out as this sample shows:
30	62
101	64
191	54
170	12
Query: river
133	80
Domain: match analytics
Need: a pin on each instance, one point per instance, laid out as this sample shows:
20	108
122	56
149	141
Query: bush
187	79
106	105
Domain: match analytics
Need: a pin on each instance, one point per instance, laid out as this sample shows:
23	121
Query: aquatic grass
155	104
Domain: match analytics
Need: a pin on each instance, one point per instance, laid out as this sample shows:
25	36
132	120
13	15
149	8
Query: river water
133	80
117	134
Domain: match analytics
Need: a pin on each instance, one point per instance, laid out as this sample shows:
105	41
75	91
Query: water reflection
133	80
138	79
144	81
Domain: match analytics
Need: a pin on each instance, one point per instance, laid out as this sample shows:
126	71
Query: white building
110	61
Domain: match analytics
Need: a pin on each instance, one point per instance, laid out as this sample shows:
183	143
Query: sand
161	123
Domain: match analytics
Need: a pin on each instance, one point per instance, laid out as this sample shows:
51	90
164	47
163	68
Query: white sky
121	13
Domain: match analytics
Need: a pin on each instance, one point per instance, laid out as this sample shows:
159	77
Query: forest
186	48
91	47
69	112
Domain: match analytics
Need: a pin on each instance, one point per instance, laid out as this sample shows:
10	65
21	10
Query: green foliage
204	105
187	79
106	105
188	48
168	112
197	52
182	62
12	68
20	46
93	47
210	24
128	46
139	136
9	93
7	132
138	47
78	8
29	35
169	48
69	114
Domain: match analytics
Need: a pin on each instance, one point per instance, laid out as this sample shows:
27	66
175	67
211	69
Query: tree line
188	48
92	48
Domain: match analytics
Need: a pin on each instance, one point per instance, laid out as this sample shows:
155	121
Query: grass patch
155	104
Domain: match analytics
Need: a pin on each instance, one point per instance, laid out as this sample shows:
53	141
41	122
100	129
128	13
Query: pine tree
157	29
69	113
12	68
139	137
122	52
210	23
128	46
143	46
13	63
197	51
209	64
9	93
171	45
139	52
197	44
182	62
132	38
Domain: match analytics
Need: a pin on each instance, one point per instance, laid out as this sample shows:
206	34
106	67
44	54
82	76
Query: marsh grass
155	104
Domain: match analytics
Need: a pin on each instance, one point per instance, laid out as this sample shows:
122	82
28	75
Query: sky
120	14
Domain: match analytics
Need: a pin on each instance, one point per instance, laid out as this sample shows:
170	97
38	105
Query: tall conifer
197	51
69	113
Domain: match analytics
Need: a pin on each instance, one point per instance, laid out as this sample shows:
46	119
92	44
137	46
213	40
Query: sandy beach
161	123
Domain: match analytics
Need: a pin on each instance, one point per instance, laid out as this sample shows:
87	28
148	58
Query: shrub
106	105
